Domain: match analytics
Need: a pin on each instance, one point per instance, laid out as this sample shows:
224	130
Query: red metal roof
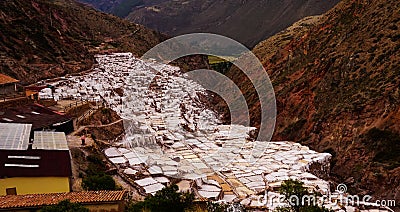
38	200
35	114
4	79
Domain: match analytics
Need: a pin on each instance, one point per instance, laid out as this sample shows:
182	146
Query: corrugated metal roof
49	140
14	136
38	200
39	116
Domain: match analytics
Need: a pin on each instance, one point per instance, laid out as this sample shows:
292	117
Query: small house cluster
8	85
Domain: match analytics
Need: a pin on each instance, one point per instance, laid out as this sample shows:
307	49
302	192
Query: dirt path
78	156
99	126
75	141
79	153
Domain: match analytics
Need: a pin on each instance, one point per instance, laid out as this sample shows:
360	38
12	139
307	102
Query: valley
248	22
72	83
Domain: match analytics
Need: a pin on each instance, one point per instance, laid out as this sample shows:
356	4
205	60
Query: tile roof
38	200
4	79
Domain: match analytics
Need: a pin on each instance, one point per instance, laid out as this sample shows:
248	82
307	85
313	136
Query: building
39	92
40	117
38	162
93	200
8	85
33	91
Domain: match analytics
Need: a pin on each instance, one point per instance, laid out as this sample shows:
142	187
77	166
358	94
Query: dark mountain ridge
246	21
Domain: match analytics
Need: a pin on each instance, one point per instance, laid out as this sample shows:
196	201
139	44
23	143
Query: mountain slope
246	21
120	8
42	39
338	90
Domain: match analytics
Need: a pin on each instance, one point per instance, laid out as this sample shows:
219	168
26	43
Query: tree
97	182
65	206
166	200
96	178
295	192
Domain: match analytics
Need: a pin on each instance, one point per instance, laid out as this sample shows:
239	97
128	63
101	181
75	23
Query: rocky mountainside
247	21
42	39
337	85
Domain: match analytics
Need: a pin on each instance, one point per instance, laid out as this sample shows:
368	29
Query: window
11	191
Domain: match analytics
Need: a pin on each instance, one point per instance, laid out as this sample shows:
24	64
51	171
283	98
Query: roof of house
49	140
14	136
35	114
38	200
4	79
48	156
35	88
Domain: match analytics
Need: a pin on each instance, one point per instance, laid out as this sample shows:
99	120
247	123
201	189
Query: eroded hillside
42	39
337	86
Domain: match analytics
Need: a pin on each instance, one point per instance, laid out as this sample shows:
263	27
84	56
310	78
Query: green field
221	59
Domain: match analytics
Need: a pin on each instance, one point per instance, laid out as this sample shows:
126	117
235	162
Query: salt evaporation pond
170	134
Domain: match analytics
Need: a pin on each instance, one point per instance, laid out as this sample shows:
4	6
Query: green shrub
169	199
96	159
97	182
290	188
65	206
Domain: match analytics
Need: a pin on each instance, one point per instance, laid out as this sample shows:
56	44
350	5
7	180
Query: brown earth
337	86
44	39
104	124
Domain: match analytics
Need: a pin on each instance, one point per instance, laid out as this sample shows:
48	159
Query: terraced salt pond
170	134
